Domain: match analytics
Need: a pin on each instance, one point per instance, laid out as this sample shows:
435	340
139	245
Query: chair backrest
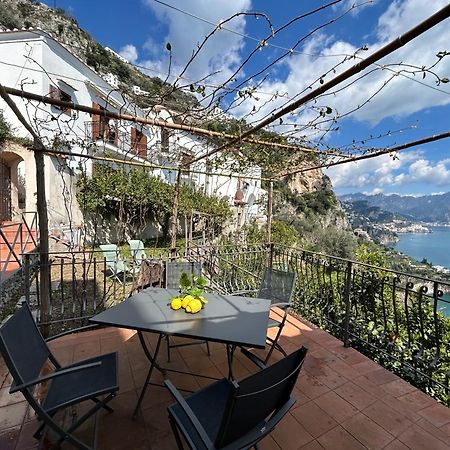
277	285
110	253
112	258
137	250
174	269
22	346
259	397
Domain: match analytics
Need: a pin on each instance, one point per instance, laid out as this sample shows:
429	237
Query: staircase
16	238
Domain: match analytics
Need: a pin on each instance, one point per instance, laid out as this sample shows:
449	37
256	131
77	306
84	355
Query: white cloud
424	171
129	52
220	54
374	191
372	173
383	172
400	98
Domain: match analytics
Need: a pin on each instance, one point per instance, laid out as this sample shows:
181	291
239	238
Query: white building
38	63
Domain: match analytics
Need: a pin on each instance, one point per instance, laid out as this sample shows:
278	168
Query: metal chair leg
176	433
272	348
168	348
207	348
107	407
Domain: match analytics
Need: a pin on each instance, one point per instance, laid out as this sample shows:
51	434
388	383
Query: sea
434	246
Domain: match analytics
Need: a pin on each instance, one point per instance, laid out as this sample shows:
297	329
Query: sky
407	108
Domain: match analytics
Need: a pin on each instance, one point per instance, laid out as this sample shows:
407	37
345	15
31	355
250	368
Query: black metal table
231	320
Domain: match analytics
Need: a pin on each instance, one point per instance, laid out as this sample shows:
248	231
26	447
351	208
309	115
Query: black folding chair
25	353
278	286
173	272
230	415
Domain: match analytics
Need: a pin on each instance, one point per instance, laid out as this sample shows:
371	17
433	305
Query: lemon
186	301
175	303
194	306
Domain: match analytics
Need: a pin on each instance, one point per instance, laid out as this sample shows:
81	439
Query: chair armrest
282	305
52	375
190	414
254	359
248	291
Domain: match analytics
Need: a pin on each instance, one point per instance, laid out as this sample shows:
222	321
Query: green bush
136	197
5	129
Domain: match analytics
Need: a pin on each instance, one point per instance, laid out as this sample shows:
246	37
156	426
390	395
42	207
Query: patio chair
115	263
173	272
26	354
278	286
231	415
137	251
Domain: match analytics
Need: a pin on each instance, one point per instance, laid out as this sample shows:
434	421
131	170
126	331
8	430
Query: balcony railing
399	320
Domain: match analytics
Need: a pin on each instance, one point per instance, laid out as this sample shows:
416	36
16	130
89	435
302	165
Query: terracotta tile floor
344	400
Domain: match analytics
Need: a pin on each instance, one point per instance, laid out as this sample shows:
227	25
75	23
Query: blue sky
140	29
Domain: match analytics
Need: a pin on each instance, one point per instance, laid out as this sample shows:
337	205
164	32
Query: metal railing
399	320
13	246
83	283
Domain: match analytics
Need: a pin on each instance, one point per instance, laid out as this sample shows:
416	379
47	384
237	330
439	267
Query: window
57	94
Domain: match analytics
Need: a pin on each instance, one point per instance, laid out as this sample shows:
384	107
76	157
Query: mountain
426	208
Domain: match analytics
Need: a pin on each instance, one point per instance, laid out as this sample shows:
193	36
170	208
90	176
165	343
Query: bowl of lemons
190	297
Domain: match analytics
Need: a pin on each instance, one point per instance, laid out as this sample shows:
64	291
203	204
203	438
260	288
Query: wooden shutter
95	125
143	146
133	140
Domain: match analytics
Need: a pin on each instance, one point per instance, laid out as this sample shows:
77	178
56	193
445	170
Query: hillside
427	208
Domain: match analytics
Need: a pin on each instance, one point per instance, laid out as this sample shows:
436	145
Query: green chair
137	251
115	263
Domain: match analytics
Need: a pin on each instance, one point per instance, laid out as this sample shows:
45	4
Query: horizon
390	194
409	108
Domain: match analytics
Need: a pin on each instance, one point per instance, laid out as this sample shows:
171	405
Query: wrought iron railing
81	284
16	238
399	320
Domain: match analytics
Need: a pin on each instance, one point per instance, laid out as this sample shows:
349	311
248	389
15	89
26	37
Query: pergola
327	158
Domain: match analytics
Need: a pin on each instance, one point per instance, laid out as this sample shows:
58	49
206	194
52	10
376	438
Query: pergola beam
162	123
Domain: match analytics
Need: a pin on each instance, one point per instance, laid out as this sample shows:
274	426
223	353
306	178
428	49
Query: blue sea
435	247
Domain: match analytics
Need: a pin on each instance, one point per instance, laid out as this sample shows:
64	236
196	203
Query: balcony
345	400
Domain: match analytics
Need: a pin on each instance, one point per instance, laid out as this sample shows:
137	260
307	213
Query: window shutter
95	123
143	146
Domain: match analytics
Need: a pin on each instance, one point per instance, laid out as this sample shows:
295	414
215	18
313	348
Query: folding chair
173	272
137	251
278	286
231	415
25	353
115	263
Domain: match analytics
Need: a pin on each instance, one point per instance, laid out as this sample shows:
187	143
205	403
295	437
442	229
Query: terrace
344	399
